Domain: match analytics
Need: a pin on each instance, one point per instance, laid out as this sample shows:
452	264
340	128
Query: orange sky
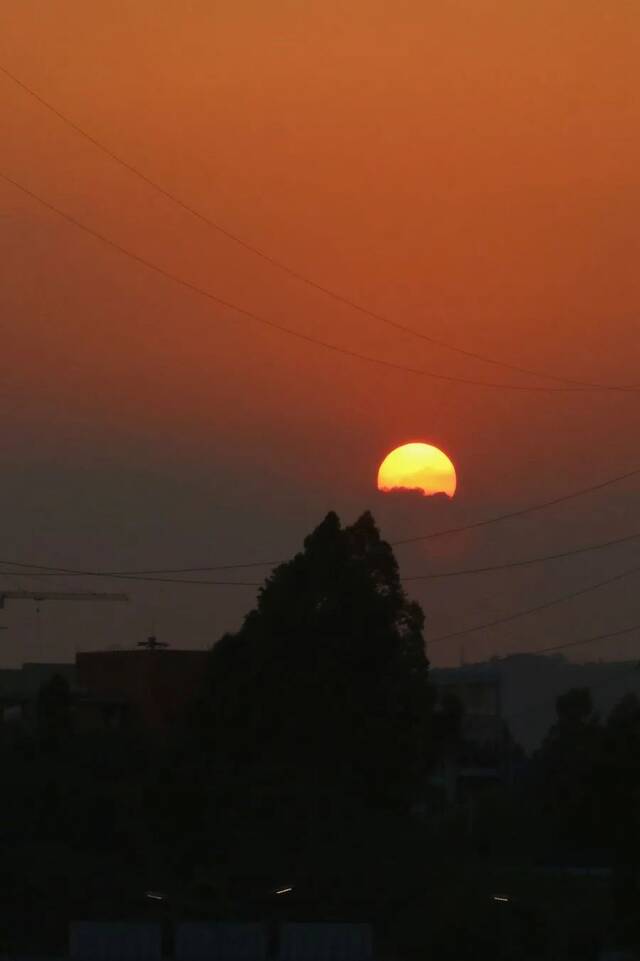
469	168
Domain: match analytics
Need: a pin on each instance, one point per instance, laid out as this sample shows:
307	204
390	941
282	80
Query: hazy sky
469	168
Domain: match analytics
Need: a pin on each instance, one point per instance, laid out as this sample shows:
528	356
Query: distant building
528	685
19	688
480	756
478	688
148	687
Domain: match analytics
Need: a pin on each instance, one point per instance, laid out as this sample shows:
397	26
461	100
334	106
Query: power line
38	571
282	328
474	525
536	609
523	563
397	543
47	570
510	716
297	275
588	640
521	511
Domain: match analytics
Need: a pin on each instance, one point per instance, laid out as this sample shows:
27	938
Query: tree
619	786
322	697
574	708
566	766
586	793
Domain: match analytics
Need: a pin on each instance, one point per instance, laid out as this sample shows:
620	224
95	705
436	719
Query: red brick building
149	687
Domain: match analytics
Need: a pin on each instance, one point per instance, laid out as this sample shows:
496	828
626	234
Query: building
150	687
19	688
480	755
478	688
527	685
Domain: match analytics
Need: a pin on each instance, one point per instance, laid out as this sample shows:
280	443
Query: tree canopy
324	688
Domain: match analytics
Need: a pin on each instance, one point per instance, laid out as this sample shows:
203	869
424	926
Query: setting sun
420	467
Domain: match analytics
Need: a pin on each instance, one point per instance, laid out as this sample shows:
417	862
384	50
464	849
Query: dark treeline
307	763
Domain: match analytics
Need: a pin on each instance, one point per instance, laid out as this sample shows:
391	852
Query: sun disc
420	467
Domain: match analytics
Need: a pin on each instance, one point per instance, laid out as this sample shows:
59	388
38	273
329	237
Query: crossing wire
525	562
298	275
56	571
520	512
535	610
282	328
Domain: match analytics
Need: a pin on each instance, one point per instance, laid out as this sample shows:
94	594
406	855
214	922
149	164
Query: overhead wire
150	265
521	512
36	570
153	576
282	328
296	274
431	576
566	645
587	640
534	610
507	565
552	649
54	572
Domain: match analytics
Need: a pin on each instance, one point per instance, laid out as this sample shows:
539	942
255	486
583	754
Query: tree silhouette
619	785
566	767
323	693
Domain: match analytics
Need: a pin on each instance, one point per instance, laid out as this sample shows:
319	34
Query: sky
468	168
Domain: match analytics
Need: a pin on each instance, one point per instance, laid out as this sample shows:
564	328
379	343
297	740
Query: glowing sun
418	467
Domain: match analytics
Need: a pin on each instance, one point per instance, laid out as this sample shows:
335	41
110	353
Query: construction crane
59	596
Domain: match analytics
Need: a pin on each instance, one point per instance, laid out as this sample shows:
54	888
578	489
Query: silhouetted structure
325	682
152	644
479	755
149	687
19	689
200	941
104	941
530	684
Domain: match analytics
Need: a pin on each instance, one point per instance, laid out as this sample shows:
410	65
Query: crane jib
59	596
